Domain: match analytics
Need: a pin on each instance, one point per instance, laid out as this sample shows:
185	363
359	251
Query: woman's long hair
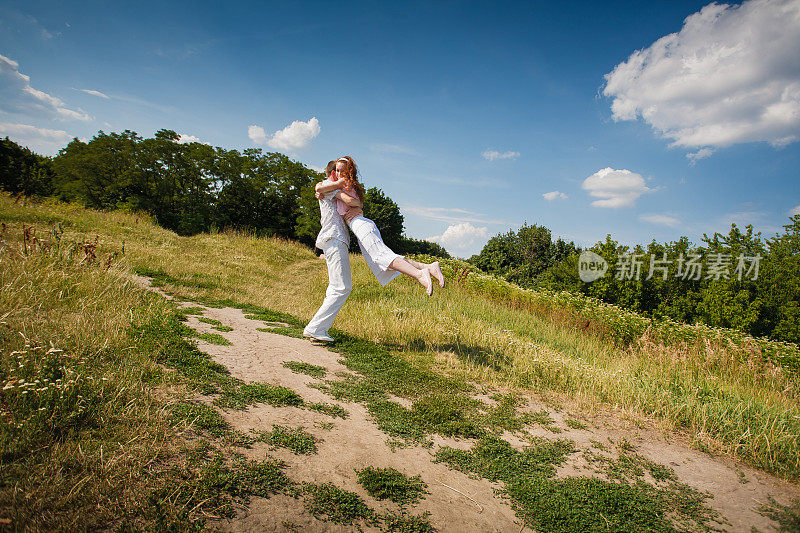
350	176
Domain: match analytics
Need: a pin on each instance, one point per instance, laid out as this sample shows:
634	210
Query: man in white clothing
334	241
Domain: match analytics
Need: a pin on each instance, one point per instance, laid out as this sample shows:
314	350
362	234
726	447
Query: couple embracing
340	198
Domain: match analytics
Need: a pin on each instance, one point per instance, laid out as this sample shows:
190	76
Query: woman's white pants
377	255
340	283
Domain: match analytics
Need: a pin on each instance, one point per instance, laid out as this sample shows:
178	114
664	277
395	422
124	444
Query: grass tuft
299	367
202	416
407	523
298	440
577	504
333	410
252	393
787	516
328	502
215	338
391	484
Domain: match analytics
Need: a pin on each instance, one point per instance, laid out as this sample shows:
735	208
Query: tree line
192	187
739	280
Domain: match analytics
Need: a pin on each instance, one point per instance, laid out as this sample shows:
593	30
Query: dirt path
456	502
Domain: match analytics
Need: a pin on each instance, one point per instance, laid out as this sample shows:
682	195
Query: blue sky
585	117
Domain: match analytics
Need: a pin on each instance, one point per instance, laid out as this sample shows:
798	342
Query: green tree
417	246
522	256
22	171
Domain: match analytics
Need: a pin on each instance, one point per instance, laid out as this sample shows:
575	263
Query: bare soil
456	502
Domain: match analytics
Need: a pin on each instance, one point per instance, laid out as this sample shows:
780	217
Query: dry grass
82	425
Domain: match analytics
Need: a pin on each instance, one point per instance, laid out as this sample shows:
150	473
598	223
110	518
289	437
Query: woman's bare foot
436	272
425	280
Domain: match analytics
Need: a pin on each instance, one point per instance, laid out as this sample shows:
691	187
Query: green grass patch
286	331
329	409
298	440
201	416
541	417
628	466
328	502
215	487
299	367
215	338
164	339
215	324
504	415
407	523
381	372
352	389
574	423
196	280
449	416
578	504
391	484
787	516
252	393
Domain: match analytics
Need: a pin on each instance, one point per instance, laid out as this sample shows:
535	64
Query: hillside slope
534	375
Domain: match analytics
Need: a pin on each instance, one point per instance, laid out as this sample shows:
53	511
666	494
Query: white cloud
615	188
41	140
257	134
295	136
460	237
731	75
702	153
185	138
449	214
663	220
491	155
795	211
94	93
17	96
554	195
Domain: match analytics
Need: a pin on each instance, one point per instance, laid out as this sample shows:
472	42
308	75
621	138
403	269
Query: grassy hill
63	271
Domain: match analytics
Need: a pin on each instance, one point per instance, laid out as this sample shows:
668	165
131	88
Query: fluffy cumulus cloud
554	195
491	155
615	188
662	220
795	211
730	75
41	140
461	237
295	136
17	96
257	134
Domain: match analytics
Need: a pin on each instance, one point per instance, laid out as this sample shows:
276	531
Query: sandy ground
457	503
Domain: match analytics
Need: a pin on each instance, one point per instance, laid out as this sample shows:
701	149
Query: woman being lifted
384	263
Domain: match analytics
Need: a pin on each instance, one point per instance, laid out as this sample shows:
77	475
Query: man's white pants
340	283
